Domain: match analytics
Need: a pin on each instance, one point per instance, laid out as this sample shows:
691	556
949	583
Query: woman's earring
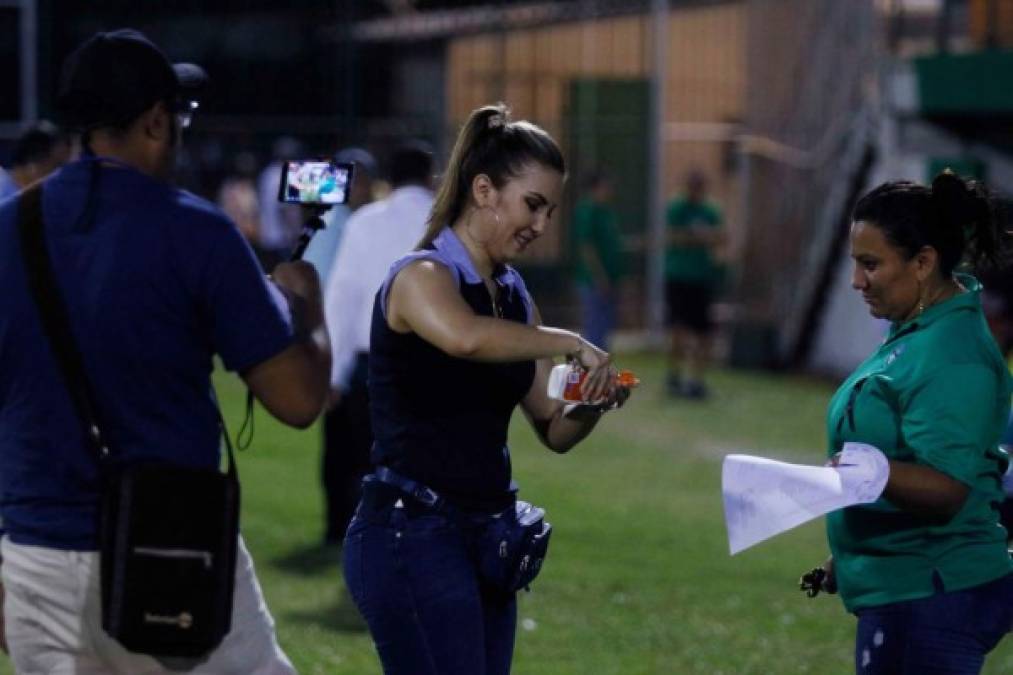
495	214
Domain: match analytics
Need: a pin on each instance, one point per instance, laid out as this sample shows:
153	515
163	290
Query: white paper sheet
764	497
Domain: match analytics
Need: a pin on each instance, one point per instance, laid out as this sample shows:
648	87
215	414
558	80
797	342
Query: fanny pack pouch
168	534
512	545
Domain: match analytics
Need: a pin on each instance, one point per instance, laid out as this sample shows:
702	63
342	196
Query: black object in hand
814	581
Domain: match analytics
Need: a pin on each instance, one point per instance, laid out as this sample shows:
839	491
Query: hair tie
497	121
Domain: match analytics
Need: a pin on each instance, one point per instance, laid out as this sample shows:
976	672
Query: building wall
812	66
532	69
991	18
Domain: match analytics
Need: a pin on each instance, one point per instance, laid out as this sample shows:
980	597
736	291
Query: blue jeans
945	634
414	578
598	312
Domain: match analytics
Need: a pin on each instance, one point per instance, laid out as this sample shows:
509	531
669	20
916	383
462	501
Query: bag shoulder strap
56	322
53	313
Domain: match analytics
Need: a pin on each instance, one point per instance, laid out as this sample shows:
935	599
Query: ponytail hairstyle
957	218
489	143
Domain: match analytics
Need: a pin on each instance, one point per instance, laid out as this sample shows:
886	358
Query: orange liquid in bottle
575	380
626	378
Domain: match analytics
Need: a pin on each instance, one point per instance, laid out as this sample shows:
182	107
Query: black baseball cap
115	76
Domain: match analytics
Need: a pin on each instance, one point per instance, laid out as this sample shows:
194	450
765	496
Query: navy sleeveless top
442	420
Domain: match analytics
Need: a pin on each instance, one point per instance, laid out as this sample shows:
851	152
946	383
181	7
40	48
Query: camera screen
315	182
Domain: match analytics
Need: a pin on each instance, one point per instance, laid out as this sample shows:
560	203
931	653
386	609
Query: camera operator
156	281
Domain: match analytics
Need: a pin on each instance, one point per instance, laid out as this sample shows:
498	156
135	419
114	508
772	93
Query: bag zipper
177	553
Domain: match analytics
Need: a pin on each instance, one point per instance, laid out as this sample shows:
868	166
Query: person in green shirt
600	264
925	567
692	275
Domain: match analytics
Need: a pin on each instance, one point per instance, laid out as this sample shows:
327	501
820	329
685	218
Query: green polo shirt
936	393
691	263
596	225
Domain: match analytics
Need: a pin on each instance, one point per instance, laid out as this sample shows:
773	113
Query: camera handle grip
309	228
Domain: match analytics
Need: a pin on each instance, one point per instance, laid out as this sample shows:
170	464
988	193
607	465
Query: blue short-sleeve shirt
156	282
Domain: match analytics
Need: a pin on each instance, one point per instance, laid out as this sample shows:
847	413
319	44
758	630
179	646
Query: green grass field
639	579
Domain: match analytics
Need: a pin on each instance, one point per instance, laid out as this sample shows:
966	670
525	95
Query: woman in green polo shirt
925	568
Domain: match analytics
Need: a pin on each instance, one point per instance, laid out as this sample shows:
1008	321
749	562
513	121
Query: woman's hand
600	382
819	579
617	397
864	471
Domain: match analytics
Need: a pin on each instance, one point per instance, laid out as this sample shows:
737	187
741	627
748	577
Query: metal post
28	55
944	27
29	61
655	172
587	140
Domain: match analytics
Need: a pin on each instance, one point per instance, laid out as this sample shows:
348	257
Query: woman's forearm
923	490
568	426
496	340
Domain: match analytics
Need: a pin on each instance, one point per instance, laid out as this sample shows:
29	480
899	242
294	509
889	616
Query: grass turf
639	579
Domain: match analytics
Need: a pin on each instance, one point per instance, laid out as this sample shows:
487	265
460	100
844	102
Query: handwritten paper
764	497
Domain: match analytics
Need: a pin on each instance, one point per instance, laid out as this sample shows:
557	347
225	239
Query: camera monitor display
315	182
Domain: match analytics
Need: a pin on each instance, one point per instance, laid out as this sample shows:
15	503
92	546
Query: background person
375	236
692	275
925	568
40	150
456	345
600	262
156	282
237	196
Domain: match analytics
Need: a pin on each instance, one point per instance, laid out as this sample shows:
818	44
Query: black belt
382	489
378	499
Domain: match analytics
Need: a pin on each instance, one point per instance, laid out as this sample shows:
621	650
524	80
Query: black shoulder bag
168	533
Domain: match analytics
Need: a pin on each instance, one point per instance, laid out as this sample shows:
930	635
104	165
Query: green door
607	122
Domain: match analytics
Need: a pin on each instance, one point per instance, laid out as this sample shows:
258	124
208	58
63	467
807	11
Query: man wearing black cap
156	282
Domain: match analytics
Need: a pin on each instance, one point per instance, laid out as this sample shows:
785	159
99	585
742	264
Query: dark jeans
414	578
348	437
945	634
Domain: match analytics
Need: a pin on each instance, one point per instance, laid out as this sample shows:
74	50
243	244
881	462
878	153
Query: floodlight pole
655	252
28	27
28	55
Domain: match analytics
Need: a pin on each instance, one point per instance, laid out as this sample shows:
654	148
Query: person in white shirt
374	237
324	246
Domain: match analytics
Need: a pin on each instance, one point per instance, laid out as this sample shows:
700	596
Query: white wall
848	333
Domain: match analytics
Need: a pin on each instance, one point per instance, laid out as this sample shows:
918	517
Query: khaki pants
53	618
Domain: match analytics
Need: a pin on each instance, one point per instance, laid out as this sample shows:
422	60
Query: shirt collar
970	299
448	243
408	190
